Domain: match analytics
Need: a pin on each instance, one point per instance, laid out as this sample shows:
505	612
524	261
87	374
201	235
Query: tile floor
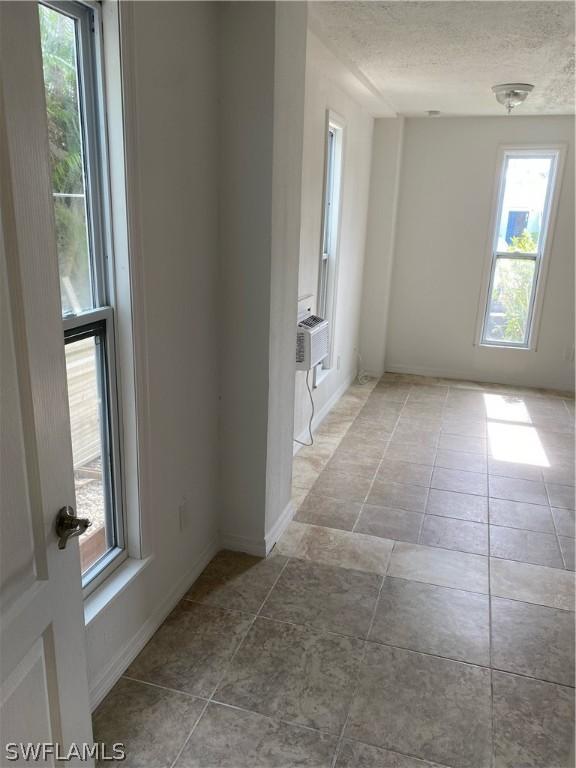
418	612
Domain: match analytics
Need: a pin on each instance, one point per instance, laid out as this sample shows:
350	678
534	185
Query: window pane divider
86	318
515	255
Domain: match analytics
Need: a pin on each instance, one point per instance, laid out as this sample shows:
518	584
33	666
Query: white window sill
518	348
112	587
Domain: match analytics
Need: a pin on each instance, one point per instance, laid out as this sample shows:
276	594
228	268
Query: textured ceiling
442	55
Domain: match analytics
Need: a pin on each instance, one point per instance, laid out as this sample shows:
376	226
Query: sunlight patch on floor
503	408
518	443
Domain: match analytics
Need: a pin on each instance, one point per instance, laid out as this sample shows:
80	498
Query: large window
330	224
71	58
521	235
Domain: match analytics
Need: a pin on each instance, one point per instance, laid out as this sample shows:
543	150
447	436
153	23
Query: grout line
276	580
563	558
187	739
163	687
291	723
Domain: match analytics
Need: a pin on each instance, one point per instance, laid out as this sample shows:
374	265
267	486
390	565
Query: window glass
61	84
509	302
523	204
85	373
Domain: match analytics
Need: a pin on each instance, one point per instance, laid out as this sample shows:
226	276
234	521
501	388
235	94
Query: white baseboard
126	655
457	375
324	411
440	373
260	547
279	526
255	547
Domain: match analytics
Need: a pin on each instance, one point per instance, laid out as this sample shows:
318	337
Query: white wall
175	99
323	93
442	236
217	97
262	92
387	148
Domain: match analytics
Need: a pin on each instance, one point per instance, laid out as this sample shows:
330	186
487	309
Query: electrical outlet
183	513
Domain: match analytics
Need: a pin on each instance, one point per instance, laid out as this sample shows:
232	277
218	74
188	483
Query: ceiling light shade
512	94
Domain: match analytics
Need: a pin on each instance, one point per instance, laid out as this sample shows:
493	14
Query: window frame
88	17
541	257
334	145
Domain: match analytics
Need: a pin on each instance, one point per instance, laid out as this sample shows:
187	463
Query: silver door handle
68	525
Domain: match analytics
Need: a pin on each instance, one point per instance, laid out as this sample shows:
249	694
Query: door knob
68	525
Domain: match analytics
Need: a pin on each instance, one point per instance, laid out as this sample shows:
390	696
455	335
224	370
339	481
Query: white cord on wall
307	445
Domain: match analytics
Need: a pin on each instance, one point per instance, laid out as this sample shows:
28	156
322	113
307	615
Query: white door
43	680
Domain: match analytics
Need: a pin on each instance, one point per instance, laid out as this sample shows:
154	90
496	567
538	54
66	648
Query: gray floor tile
430	412
464	426
463	506
358	438
471	462
389	523
462	443
351	463
414	430
428	707
560	495
354	754
450	533
533	723
413	451
305	471
332	513
335	547
151	722
518	514
564	521
341	486
533	640
517	490
233	738
236	580
391	471
324	597
563	474
428	392
443	567
567	549
190	650
290	543
532	583
514	470
460	481
525	546
431	619
410	497
293	673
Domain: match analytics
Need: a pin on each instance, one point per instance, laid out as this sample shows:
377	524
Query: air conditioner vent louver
311	321
311	342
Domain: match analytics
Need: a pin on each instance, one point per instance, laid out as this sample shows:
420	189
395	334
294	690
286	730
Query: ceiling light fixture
511	95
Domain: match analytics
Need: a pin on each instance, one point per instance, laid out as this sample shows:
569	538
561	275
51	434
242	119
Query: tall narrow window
526	191
75	116
330	219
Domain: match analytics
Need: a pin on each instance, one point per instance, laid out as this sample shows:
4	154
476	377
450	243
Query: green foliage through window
61	86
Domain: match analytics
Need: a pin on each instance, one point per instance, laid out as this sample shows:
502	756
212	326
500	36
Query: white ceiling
418	56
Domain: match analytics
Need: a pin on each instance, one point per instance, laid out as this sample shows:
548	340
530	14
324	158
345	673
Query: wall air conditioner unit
311	342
